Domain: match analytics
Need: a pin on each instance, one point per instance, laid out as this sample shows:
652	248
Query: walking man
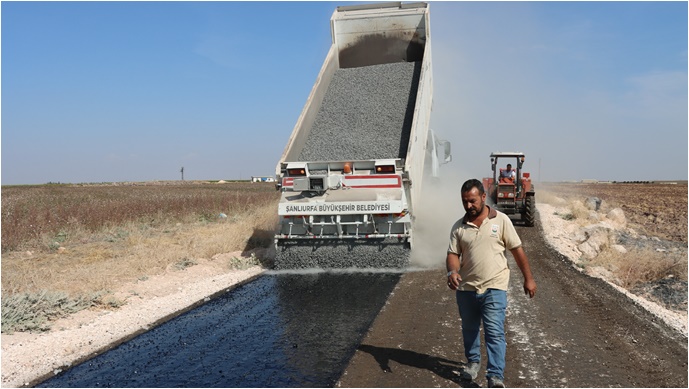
477	270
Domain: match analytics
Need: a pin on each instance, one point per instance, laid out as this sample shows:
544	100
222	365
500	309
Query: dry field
67	247
657	209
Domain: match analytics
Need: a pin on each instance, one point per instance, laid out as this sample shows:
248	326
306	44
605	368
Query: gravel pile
341	254
366	113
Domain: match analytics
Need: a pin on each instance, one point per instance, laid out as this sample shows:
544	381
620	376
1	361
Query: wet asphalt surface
281	330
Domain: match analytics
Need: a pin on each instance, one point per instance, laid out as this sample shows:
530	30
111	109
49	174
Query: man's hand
452	264
530	287
523	264
453	281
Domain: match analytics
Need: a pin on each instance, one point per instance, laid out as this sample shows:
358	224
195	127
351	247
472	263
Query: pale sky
130	91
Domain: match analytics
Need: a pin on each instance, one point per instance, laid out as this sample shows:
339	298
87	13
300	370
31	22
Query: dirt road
578	332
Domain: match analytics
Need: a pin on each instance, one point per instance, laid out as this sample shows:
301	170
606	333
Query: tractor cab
510	190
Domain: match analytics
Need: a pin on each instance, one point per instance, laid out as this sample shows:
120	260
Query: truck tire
529	215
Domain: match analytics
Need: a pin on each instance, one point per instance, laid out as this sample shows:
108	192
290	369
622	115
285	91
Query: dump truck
352	170
511	192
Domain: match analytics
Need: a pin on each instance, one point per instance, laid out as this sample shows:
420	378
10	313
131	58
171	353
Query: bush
185	263
33	311
239	263
642	265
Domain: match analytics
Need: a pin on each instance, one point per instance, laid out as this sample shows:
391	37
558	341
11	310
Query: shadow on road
442	367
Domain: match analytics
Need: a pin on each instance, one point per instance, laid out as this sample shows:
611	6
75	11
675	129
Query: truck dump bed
359	143
358	109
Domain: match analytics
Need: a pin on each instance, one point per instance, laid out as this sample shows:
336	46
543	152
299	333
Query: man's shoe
470	371
495	382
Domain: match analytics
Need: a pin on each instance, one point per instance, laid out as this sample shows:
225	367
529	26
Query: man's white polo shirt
483	264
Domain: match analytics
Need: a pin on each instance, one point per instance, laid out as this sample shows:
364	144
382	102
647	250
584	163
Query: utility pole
182	171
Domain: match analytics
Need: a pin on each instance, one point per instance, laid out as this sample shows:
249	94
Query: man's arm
452	264
523	263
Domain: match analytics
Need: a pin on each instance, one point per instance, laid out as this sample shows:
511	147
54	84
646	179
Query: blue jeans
489	307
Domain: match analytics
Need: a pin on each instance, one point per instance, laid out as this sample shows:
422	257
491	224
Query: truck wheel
529	215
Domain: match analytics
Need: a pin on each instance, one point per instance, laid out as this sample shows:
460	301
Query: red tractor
510	190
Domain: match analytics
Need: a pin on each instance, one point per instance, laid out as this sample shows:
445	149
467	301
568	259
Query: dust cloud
440	207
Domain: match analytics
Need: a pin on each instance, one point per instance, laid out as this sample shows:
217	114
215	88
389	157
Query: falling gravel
335	253
366	113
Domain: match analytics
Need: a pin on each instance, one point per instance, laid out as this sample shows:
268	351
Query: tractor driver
508	175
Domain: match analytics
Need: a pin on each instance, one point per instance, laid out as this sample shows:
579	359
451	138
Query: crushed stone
366	113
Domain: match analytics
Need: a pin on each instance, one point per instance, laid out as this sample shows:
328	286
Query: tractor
511	191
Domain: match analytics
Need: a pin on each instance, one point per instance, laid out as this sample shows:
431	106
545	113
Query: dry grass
43	217
74	253
105	246
138	252
641	266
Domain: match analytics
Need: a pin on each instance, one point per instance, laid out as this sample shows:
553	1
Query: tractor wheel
529	215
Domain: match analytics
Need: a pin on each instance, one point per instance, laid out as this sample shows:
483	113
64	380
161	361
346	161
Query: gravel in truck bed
366	113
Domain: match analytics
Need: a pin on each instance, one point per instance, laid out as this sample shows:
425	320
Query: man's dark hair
473	183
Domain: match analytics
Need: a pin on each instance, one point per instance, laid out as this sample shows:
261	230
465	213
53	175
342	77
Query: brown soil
657	209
